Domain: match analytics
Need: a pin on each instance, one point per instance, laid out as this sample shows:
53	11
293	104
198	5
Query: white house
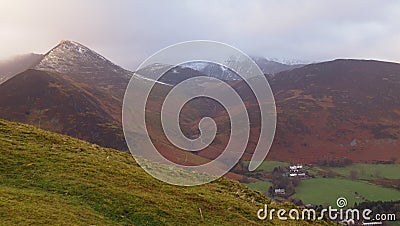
280	191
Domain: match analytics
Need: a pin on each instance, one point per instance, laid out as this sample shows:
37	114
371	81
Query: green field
370	171
50	179
261	186
268	166
326	191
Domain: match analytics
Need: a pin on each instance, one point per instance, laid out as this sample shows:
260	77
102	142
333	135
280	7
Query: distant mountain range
198	68
268	67
335	109
271	68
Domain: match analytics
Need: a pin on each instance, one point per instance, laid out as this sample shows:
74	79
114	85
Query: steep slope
82	65
47	178
72	90
337	109
17	64
49	101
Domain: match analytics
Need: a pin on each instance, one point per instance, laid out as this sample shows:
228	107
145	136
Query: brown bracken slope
338	109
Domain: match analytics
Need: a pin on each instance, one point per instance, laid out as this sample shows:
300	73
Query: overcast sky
127	32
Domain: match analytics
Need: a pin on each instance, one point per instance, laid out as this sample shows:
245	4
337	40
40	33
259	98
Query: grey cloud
127	32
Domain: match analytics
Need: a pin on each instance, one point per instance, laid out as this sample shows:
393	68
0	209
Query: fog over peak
129	32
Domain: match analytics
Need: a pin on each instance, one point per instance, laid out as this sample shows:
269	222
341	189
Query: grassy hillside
46	178
261	186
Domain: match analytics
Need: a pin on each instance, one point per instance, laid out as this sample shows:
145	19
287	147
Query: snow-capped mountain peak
70	57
